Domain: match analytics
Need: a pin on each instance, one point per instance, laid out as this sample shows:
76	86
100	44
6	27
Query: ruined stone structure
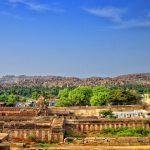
30	123
23	124
49	131
95	110
93	125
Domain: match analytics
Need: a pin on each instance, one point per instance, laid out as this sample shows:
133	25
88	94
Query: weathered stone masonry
42	131
90	125
20	124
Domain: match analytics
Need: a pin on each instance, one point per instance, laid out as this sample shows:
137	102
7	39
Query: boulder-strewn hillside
134	79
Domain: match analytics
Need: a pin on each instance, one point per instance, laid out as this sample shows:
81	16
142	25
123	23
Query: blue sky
74	37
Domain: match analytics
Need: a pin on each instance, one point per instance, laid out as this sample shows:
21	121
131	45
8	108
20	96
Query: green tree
100	96
3	97
35	95
63	94
12	99
124	97
117	97
80	96
63	98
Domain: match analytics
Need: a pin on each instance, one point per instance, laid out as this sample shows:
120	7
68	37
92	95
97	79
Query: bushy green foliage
139	88
124	97
14	94
97	96
32	137
100	96
107	114
9	99
125	131
74	96
79	96
63	98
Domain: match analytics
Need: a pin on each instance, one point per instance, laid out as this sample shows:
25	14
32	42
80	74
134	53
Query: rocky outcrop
50	81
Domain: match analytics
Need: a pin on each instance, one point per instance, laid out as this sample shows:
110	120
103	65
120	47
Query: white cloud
134	23
33	5
116	16
112	13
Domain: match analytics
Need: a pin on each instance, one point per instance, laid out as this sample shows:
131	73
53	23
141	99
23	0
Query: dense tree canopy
75	96
100	96
14	94
124	97
97	96
9	99
63	98
79	96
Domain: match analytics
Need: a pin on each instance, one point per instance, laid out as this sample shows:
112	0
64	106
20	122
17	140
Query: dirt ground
93	148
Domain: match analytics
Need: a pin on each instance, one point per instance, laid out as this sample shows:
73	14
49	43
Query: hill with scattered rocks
53	81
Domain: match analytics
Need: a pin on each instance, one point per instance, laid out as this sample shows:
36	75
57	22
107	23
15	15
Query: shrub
125	131
32	138
107	114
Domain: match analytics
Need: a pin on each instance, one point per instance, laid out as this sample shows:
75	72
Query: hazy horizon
44	75
74	38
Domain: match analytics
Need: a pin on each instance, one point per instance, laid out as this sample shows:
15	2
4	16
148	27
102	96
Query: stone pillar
29	132
87	127
37	134
133	125
40	134
81	127
129	125
110	125
77	127
100	127
19	133
25	134
55	138
49	135
12	134
61	137
124	125
96	128
46	135
147	125
91	128
16	134
43	135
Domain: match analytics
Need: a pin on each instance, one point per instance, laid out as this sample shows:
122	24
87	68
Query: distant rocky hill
134	79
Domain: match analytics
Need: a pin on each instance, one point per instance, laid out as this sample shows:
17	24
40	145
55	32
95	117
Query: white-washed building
131	114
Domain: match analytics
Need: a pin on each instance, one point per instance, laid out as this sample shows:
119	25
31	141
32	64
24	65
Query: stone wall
20	124
94	125
26	134
15	118
77	111
94	111
50	131
58	130
13	111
